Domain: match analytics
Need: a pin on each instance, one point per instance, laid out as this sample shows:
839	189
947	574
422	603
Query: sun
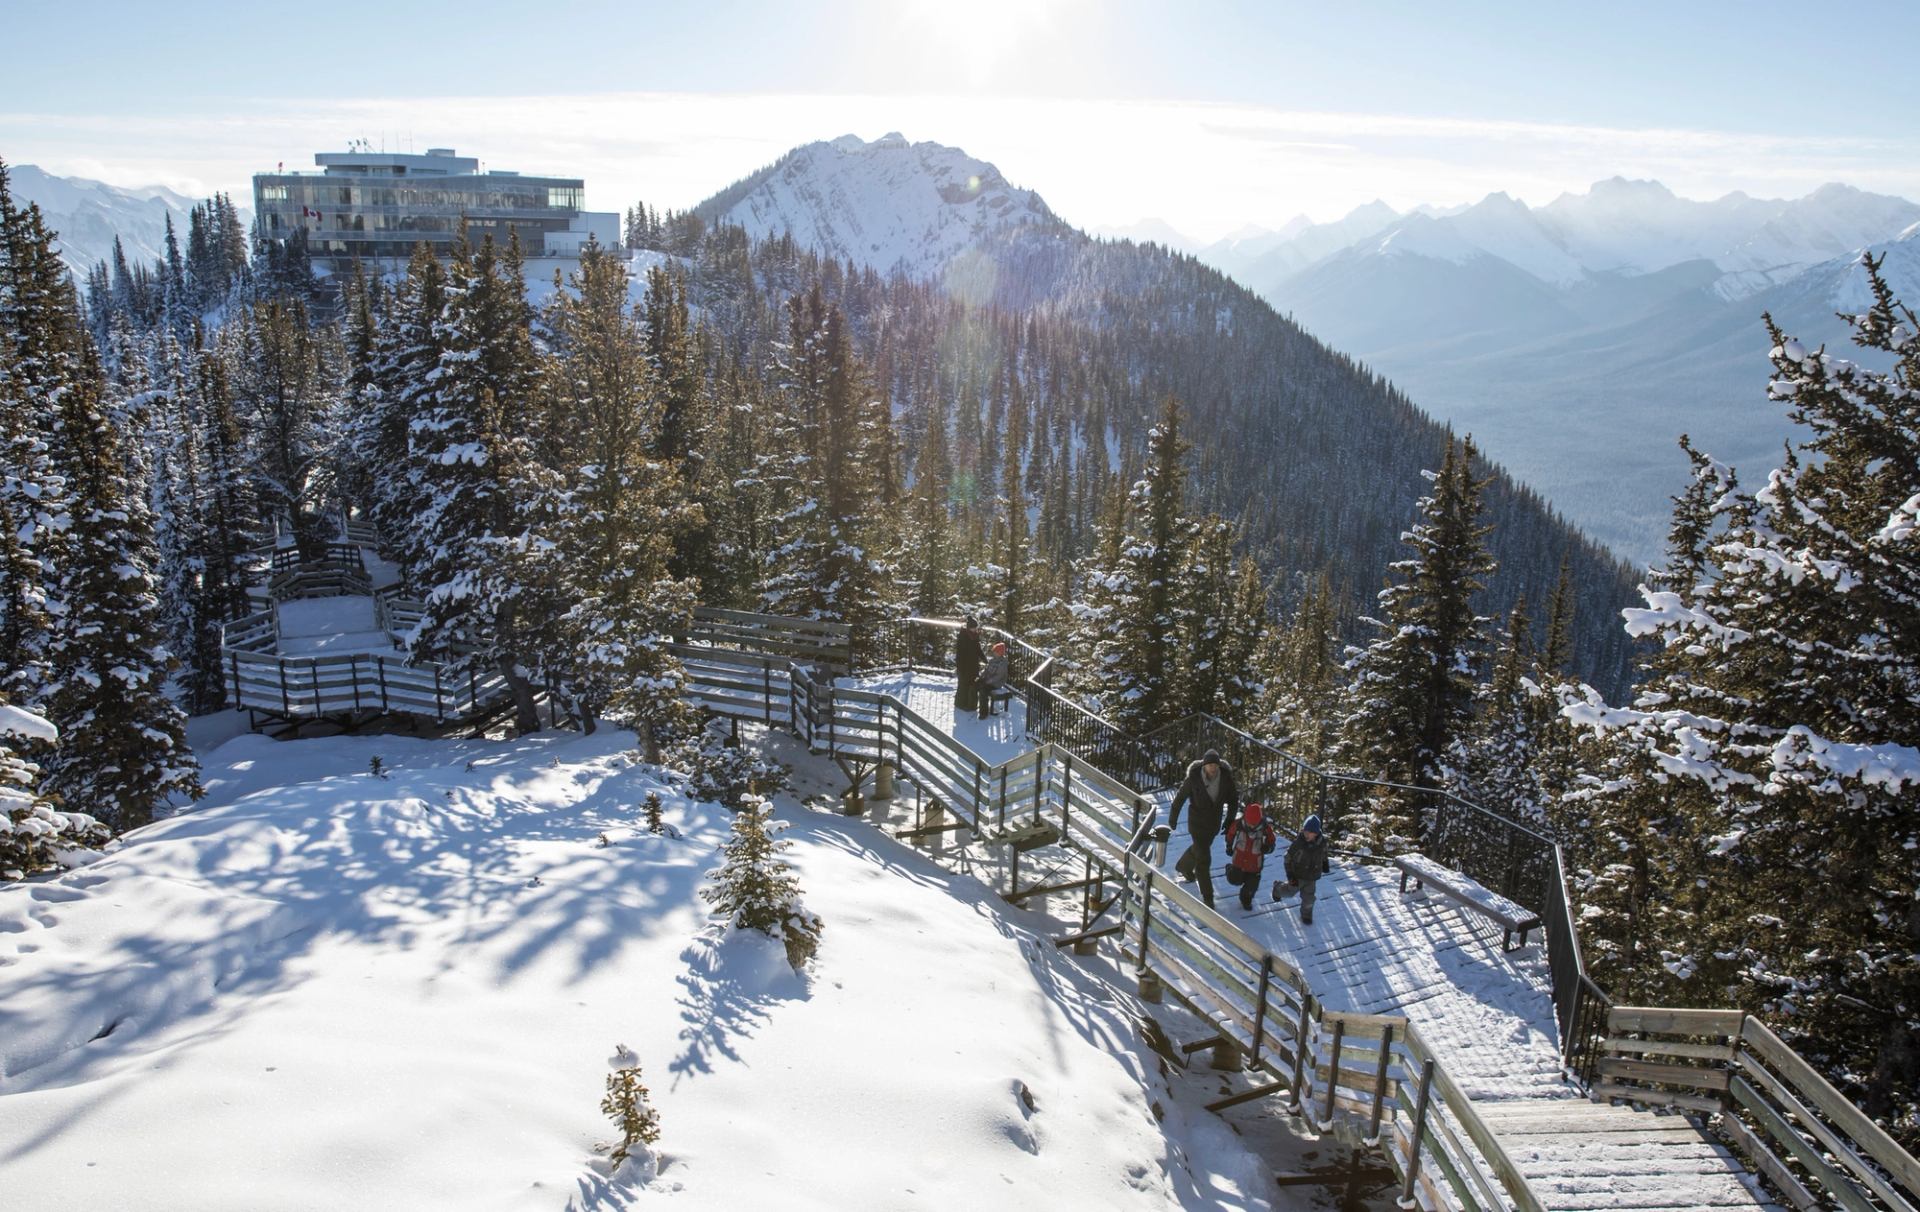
977	40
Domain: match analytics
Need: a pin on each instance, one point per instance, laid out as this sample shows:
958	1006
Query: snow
996	739
1487	1014
888	204
335	626
331	989
23	723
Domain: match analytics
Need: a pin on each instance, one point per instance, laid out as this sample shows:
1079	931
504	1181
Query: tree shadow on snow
731	982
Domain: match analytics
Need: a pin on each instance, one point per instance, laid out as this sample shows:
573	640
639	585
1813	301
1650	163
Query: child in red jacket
1250	839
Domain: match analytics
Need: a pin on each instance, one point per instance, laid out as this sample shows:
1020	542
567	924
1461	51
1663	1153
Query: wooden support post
1146	921
1302	1077
380	668
1148	984
355	668
1380	1082
439	697
1013	872
883	781
1333	1069
1419	1134
766	689
286	697
1260	1006
313	680
1226	1054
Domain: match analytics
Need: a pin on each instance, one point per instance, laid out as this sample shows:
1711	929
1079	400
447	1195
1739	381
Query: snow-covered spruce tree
628	1105
1224	625
405	357
1495	764
1626	828
755	889
827	475
1783	713
616	518
36	355
1139	606
928	561
1301	676
123	753
471	453
33	831
1410	693
287	393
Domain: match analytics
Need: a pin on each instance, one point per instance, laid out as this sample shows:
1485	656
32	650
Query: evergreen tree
616	520
1410	693
36	357
1140	609
826	477
470	451
755	889
1303	677
1780	717
123	754
33	831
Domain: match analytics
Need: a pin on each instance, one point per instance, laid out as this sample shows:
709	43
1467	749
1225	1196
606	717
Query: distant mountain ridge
89	214
1579	339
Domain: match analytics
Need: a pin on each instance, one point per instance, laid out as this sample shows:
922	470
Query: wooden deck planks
1582	1157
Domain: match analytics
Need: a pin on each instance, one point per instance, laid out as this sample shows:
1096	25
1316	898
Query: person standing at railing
966	666
1212	791
1306	862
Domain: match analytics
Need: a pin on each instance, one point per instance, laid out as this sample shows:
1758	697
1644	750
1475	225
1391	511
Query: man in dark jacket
1211	789
1306	863
966	666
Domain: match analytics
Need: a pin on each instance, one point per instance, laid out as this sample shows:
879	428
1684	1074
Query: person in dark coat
1210	788
1306	862
1250	839
966	666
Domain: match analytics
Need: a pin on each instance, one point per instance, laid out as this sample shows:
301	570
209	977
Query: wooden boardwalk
1579	1155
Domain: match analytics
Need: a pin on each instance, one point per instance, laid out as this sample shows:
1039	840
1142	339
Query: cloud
1204	167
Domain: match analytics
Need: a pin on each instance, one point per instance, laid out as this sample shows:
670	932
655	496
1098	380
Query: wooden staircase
1577	1155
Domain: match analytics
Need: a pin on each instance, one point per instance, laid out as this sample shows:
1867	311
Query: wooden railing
1373	1069
261	679
1814	1146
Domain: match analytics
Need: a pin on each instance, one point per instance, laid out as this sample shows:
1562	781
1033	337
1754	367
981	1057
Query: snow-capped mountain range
1579	339
89	214
1618	227
888	203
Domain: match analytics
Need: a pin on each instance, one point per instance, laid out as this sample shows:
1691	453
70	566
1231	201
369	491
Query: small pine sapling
627	1104
756	889
376	767
653	806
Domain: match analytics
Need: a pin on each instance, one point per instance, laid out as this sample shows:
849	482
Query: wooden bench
1468	894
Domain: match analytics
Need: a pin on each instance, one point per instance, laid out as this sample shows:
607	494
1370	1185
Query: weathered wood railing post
1380	1082
1333	1068
1260	1006
1419	1133
1302	1082
1147	981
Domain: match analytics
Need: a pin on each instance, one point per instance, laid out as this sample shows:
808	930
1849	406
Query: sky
1209	115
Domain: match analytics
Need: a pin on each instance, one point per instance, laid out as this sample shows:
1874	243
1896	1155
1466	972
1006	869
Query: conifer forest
1105	448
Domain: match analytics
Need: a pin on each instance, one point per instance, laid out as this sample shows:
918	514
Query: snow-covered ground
328	989
337	626
995	739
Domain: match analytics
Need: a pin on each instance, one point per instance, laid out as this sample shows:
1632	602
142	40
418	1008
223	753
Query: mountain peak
889	204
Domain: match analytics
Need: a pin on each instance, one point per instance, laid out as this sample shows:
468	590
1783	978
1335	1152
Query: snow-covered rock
889	204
